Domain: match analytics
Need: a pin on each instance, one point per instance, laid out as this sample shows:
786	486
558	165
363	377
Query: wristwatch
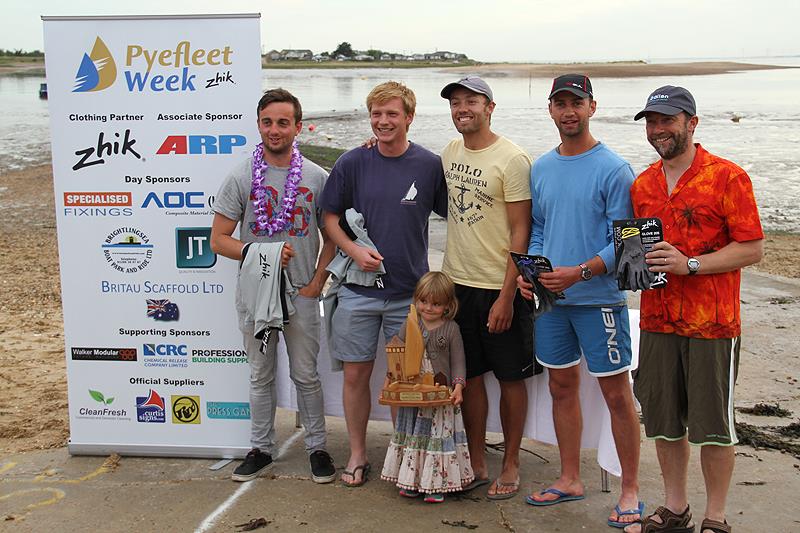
694	265
586	273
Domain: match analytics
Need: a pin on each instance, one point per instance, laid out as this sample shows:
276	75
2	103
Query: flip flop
365	468
628	512
562	497
475	483
504	495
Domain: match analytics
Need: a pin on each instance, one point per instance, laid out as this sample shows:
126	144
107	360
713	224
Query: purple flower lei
281	219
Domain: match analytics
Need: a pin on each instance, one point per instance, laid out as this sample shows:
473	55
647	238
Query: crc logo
164	349
97	70
177	200
95	155
185	409
193	248
201	144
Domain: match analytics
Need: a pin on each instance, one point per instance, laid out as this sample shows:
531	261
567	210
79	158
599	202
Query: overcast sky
499	30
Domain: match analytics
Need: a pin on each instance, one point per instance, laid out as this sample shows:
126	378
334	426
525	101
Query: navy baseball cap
577	84
471	82
669	100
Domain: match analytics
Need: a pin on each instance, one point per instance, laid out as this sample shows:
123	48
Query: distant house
386	57
272	55
418	57
363	57
296	55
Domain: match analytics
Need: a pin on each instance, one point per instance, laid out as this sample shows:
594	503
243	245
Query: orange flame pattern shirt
711	205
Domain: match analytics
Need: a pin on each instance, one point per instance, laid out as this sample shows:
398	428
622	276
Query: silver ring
665	260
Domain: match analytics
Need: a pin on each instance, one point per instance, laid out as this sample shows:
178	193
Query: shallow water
764	142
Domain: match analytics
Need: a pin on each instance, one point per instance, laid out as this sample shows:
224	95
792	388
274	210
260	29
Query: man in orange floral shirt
689	350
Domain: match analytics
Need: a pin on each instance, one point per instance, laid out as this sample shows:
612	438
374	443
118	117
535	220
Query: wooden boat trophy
409	385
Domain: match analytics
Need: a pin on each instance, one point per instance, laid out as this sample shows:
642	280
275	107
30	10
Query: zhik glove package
633	238
530	266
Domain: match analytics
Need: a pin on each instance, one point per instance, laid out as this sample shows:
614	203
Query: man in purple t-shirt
395	188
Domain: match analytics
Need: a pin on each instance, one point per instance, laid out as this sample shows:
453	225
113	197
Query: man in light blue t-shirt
579	188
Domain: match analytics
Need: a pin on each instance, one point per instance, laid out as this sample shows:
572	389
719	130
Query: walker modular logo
171	69
193	248
97	70
185	409
150	408
103	354
97	204
228	410
127	250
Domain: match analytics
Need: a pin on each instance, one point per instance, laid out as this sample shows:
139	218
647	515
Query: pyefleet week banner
148	115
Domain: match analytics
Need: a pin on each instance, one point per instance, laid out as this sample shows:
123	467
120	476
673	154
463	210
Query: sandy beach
617	69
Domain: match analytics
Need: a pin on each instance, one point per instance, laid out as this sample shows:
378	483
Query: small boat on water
43	91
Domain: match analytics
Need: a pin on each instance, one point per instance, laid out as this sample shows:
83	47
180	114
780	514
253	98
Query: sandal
670	522
365	468
715	525
436	497
514	486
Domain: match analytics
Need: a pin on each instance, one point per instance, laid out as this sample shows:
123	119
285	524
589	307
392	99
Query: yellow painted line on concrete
57	495
108	465
6	467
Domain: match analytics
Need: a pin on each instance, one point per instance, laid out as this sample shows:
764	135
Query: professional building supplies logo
97	70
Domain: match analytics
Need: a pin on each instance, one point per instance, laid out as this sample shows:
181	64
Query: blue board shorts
601	333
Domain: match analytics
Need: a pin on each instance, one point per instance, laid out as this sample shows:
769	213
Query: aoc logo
97	70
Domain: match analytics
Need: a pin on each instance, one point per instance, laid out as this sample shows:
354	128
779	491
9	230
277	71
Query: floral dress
428	451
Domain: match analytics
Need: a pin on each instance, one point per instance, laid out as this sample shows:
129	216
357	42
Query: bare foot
507	483
572	488
629	505
355	473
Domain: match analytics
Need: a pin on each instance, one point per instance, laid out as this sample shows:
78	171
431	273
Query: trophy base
414	395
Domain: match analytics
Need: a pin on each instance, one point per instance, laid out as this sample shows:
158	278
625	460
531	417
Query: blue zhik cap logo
193	248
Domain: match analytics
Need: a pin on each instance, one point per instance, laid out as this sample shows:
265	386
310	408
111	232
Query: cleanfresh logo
102	412
150	408
97	70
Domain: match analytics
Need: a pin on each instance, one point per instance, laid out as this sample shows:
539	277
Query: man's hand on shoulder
561	278
501	313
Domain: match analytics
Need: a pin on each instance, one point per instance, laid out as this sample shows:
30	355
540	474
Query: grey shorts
357	323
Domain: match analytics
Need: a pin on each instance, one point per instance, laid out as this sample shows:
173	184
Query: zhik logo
193	248
97	70
104	149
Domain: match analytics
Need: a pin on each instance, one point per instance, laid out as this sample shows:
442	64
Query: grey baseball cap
669	100
471	82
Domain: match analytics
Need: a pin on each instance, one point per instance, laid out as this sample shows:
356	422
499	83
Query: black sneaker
255	464
322	469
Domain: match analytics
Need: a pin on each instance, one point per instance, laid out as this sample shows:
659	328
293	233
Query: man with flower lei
272	197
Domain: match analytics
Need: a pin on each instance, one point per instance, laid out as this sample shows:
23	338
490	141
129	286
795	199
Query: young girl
428	452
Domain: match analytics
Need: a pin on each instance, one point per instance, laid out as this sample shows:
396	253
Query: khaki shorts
686	384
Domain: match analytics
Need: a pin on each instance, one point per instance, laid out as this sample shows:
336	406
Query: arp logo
193	248
201	144
185	409
97	70
176	200
165	349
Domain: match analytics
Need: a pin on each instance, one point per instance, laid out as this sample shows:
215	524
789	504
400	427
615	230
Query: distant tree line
20	53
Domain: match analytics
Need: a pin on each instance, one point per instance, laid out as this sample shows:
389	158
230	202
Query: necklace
281	219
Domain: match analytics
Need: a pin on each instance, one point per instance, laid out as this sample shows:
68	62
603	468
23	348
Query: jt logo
193	249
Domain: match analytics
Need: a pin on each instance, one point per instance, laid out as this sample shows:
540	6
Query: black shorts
508	354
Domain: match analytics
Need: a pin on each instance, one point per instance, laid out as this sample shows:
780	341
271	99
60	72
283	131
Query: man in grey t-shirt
259	208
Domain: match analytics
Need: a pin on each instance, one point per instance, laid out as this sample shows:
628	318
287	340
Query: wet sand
621	69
